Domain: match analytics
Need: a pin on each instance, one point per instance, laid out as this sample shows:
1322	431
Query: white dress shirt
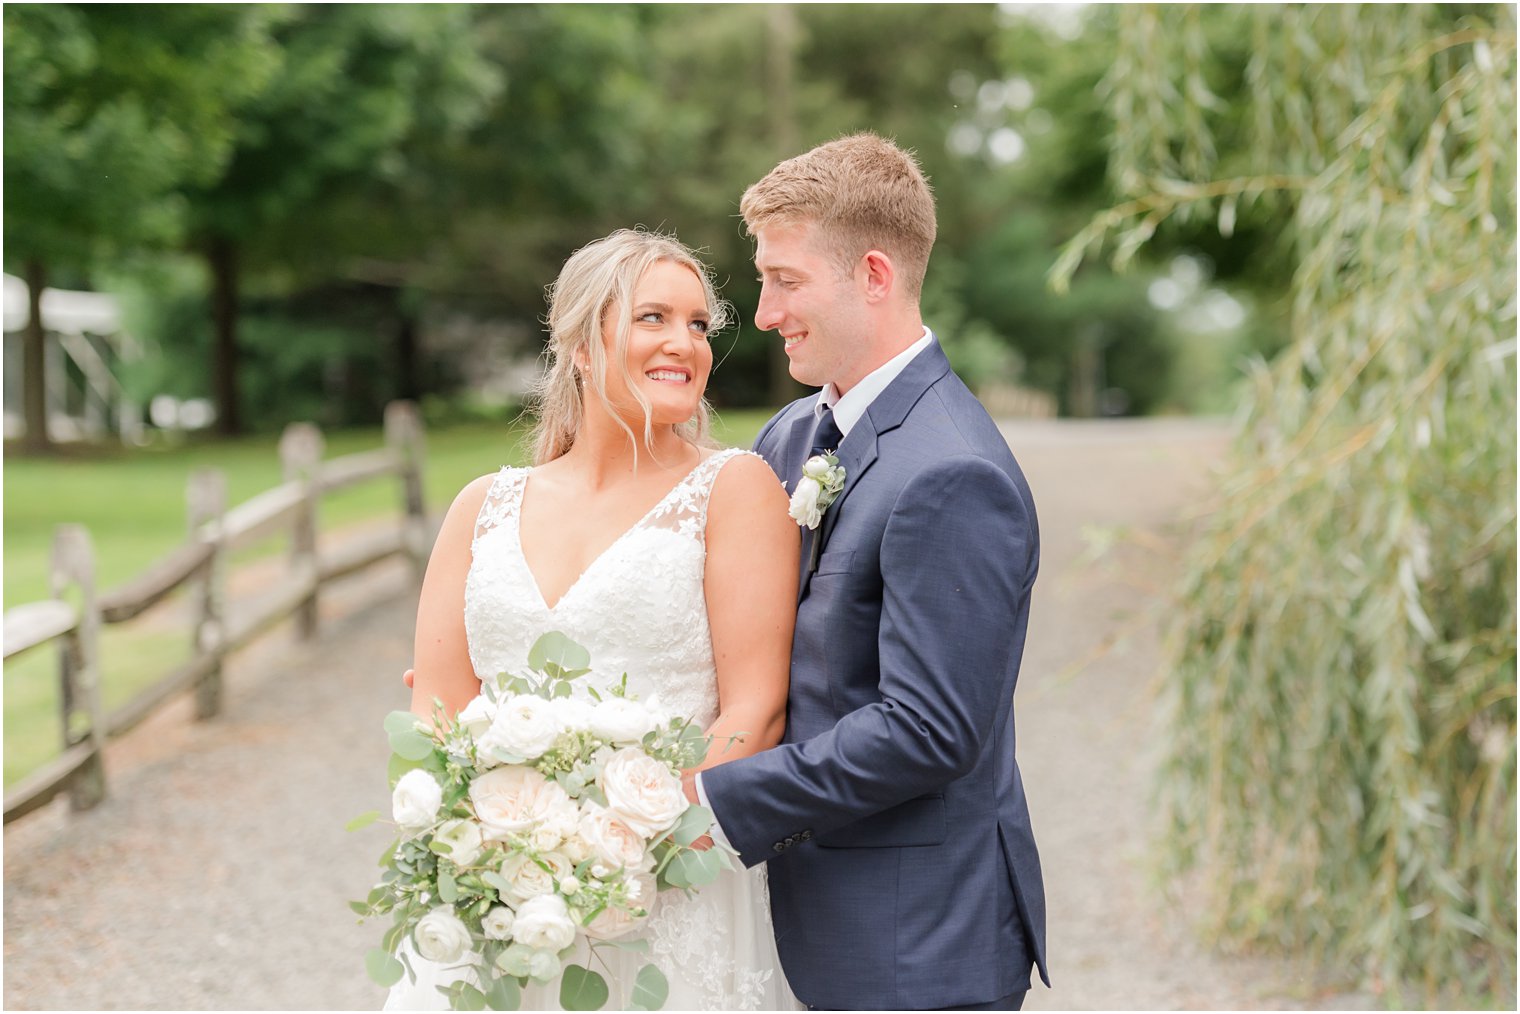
849	408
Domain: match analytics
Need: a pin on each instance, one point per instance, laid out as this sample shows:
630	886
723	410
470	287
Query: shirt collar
851	406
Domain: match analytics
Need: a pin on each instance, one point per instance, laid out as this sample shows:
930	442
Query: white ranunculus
441	936
611	839
816	467
614	921
416	799
642	791
513	800
524	726
620	720
804	509
529	880
463	838
544	924
497	923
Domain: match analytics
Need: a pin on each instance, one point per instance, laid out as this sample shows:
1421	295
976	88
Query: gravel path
216	874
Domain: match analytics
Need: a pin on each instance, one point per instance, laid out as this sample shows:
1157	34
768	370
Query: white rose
513	800
530	880
615	921
441	936
497	923
476	717
804	509
416	799
524	726
642	791
571	714
611	839
619	720
463	838
544	924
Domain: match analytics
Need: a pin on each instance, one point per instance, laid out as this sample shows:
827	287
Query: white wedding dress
638	608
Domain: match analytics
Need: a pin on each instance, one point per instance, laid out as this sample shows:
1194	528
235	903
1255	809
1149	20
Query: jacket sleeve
957	560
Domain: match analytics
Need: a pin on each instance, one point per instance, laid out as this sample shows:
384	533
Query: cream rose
416	799
524	726
530	880
642	792
804	507
619	720
556	822
513	800
463	839
544	924
441	936
611	839
615	921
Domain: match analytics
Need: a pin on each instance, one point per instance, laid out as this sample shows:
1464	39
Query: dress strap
684	510
502	501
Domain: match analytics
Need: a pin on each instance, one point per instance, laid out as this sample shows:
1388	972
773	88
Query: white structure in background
83	330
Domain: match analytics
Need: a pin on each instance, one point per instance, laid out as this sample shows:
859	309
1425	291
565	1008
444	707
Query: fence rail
200	566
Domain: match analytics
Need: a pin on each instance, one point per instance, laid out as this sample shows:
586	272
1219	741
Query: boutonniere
822	479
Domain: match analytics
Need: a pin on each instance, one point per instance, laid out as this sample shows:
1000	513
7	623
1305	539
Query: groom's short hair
863	193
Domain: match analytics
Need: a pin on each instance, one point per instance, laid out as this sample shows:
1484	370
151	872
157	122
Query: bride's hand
408	676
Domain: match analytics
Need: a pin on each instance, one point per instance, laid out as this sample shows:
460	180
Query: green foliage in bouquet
531	820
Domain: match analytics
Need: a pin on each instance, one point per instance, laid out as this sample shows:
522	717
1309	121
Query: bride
667	559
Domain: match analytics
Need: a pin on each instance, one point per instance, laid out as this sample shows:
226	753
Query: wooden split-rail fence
200	565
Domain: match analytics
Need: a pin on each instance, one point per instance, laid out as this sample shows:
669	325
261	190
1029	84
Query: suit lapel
858	451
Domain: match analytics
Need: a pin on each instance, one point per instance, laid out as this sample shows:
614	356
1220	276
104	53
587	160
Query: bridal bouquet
530	821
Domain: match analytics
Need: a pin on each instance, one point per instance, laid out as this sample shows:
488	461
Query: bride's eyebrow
658	307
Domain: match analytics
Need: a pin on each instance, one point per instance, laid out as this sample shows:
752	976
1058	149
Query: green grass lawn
133	503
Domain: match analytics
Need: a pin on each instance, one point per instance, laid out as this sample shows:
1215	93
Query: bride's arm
751	590
440	654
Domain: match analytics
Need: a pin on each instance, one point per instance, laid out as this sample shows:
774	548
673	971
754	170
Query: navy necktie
826	440
827	436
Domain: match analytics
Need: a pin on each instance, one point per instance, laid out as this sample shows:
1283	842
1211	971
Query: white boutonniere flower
822	479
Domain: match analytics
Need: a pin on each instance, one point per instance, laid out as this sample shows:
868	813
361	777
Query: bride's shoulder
470	500
743	479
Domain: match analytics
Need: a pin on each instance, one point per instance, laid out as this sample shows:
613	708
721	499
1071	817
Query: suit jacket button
778	847
806	836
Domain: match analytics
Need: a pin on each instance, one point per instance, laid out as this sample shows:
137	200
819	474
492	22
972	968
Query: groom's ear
877	274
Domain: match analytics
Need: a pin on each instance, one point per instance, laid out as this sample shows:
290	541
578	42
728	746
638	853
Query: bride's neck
604	453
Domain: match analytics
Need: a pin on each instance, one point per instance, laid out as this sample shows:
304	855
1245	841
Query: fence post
206	500
301	449
403	433
78	663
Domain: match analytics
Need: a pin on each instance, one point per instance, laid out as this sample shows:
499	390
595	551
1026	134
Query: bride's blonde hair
600	275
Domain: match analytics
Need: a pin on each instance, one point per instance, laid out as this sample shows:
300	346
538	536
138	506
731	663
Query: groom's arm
957	559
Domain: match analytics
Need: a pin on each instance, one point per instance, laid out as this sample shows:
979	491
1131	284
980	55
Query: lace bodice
638	608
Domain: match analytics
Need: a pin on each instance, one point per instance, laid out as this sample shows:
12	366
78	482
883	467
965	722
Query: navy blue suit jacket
903	871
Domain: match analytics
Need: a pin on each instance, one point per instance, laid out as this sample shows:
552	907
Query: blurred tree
1341	688
109	110
356	81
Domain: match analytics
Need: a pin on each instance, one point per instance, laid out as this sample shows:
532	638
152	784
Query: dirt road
216	874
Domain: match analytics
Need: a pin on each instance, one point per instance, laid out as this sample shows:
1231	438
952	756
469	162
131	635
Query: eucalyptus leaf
694	823
504	994
582	989
650	989
471	998
448	890
555	647
360	907
362	821
384	970
400	721
411	745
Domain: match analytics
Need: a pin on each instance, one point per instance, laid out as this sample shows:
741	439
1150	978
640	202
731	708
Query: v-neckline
522	492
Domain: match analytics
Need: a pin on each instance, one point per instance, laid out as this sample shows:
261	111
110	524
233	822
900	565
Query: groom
903	871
